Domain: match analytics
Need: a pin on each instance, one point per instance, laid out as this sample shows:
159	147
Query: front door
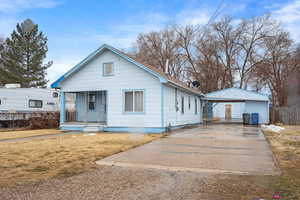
91	106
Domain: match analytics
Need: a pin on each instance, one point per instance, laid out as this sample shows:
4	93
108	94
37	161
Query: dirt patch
61	156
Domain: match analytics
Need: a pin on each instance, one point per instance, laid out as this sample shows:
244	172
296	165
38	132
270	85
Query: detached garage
230	104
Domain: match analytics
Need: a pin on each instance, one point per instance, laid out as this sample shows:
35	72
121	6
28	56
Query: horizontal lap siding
260	107
18	99
173	118
126	76
237	109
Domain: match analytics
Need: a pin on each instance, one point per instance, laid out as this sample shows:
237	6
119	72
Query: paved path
195	152
210	149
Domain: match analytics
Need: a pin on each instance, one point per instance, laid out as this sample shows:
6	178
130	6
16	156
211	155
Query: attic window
108	69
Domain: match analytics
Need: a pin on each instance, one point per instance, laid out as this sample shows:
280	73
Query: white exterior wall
237	110
254	103
177	118
126	76
17	99
260	107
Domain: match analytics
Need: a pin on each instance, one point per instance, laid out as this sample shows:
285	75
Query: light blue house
230	104
114	92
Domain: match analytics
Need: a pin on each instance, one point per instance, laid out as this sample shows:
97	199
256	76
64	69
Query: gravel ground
115	183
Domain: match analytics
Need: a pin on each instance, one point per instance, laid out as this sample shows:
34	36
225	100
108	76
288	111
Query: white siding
126	76
237	110
262	108
17	99
173	118
254	103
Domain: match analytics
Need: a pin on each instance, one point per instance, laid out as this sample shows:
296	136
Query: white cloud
289	15
61	66
13	6
7	25
193	17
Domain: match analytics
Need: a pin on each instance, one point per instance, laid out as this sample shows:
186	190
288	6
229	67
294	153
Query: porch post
62	107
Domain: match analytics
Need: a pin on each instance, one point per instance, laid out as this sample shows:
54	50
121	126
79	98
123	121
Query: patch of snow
272	128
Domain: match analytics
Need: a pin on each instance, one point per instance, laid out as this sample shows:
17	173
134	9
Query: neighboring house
231	103
115	92
293	90
23	100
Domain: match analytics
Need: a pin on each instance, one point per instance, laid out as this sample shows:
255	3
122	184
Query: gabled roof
235	94
163	78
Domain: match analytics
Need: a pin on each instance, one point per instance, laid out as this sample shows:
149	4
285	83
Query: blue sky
76	28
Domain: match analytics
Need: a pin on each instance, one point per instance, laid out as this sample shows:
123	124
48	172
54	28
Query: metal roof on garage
235	95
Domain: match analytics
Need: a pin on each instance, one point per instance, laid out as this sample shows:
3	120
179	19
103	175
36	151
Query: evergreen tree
22	56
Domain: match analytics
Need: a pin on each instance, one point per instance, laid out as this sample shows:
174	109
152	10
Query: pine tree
22	56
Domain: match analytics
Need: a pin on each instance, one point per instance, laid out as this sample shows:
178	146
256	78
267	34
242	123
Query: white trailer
18	103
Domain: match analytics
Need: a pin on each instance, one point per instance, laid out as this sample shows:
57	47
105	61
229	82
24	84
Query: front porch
83	111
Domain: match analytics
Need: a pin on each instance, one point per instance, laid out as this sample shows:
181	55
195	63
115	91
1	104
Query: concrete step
93	129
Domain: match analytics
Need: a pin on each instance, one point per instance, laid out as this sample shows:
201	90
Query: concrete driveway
212	149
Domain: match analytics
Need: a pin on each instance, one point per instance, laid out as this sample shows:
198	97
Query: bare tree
253	33
252	52
279	62
228	36
156	48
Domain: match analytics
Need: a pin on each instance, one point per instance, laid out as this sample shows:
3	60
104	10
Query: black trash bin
246	118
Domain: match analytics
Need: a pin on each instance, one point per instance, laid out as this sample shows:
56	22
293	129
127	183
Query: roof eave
173	84
56	84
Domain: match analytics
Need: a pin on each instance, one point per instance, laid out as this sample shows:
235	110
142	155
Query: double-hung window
108	69
134	101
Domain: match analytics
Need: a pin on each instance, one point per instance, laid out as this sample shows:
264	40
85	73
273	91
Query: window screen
128	101
35	103
134	101
108	69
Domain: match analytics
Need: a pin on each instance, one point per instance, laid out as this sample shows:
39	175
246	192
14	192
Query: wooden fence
286	115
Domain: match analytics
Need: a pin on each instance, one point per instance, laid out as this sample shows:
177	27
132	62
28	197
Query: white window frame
133	106
104	71
196	106
182	105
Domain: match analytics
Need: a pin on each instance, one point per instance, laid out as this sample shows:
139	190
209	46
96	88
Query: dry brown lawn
286	148
34	160
26	133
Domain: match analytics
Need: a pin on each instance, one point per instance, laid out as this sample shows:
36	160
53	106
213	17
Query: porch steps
94	128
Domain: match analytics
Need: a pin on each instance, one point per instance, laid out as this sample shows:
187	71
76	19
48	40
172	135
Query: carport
229	105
